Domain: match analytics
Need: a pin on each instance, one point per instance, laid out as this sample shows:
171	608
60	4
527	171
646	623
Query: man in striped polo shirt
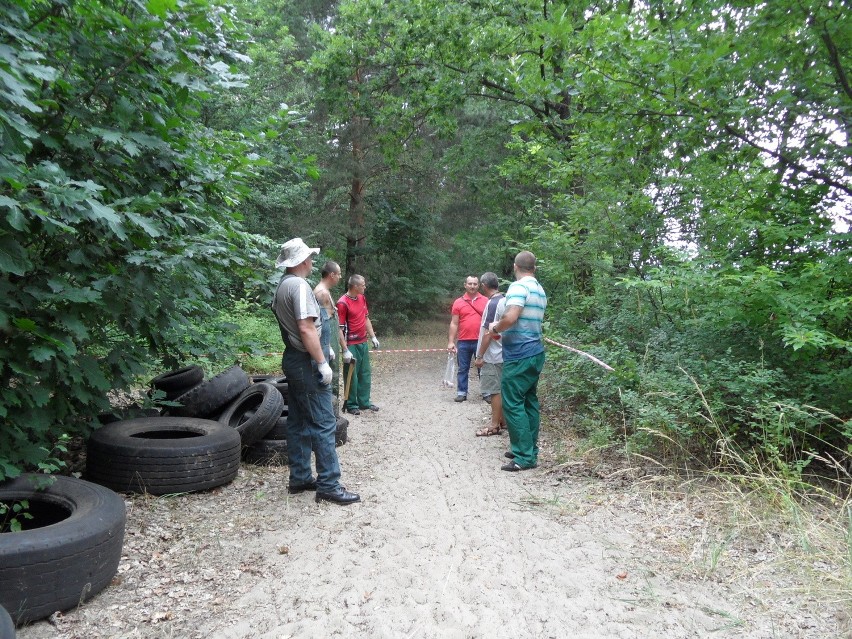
523	359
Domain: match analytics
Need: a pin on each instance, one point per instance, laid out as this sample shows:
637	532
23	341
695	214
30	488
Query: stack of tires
183	450
198	441
271	449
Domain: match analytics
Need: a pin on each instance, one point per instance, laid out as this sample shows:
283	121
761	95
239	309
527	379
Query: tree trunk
357	232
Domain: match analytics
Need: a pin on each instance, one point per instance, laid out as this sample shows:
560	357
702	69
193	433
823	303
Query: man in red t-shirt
465	319
355	326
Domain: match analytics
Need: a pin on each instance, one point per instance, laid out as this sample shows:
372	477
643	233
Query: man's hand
331	354
325	372
375	342
347	356
451	347
478	362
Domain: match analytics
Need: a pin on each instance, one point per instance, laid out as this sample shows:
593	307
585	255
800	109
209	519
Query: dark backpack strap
473	307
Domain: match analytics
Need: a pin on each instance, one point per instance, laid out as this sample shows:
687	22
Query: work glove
325	373
347	356
375	342
331	354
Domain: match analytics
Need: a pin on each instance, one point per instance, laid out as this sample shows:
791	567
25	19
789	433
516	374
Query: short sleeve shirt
524	338
470	312
353	317
493	313
294	300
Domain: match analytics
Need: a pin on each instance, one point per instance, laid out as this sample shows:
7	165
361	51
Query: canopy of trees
681	169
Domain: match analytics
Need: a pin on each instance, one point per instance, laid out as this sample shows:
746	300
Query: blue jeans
311	423
465	350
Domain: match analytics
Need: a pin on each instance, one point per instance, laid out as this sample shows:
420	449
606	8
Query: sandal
487	432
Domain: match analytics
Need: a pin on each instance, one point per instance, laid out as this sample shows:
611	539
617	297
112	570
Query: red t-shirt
470	312
353	317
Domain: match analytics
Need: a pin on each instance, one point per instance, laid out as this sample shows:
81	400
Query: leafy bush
116	205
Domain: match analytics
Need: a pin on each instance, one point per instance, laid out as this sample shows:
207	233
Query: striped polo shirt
523	339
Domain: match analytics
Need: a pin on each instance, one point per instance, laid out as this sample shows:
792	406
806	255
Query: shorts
489	379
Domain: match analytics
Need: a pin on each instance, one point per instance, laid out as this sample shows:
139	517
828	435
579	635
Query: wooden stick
348	385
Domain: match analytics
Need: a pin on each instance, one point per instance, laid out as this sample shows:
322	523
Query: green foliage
406	274
11	515
681	171
249	329
117	204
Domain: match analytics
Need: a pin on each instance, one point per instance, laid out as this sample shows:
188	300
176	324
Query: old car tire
279	430
163	455
177	382
278	381
266	452
269	379
254	412
69	559
341	435
131	412
210	396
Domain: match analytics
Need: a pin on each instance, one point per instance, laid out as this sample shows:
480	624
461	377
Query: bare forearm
311	342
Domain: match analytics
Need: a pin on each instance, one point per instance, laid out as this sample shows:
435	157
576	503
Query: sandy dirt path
444	545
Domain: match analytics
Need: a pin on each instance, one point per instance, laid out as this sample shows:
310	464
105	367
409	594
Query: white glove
331	355
325	372
375	342
347	356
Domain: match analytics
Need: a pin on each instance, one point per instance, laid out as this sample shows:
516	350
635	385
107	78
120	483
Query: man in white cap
311	423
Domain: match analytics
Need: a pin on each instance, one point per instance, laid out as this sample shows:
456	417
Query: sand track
444	545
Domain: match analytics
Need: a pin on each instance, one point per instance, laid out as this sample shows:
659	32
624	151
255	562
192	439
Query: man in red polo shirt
466	317
356	329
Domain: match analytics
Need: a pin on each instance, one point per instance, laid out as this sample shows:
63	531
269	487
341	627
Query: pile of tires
271	449
185	449
205	429
65	554
209	397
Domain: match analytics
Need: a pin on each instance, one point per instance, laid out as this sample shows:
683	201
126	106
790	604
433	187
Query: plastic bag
449	380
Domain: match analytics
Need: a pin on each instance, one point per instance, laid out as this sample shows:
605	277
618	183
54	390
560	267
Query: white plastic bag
449	380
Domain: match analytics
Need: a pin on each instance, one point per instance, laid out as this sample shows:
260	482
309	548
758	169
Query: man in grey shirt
311	423
489	354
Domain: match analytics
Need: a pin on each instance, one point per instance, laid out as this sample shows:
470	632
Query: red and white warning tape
444	350
410	350
390	350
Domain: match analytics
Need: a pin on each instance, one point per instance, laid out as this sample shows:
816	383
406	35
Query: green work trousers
520	407
359	390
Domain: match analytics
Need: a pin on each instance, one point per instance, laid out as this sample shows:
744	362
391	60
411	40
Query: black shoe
352	411
512	467
461	398
509	454
300	488
340	496
371	407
